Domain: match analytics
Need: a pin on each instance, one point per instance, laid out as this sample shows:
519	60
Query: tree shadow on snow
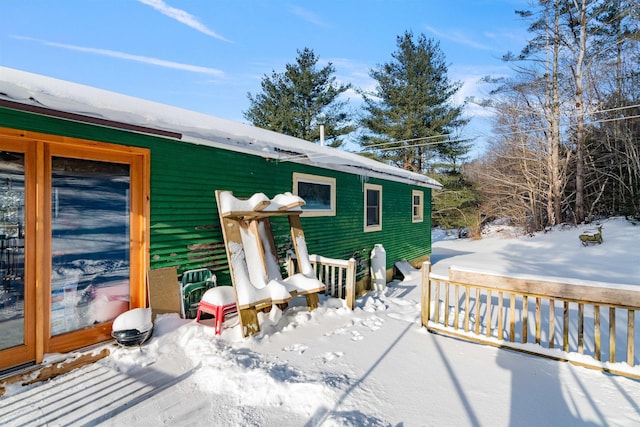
537	393
355	417
348	418
440	254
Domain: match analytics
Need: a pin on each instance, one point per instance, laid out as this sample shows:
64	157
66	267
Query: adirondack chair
255	270
591	237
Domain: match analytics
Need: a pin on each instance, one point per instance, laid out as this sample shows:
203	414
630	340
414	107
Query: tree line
565	145
565	142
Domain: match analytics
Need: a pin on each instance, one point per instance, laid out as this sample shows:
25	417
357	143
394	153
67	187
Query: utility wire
528	131
408	140
420	145
570	116
546	128
469	138
563	123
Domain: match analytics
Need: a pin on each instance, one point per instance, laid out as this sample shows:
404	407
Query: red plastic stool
218	301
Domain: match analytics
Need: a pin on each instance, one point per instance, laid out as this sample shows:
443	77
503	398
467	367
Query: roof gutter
29	108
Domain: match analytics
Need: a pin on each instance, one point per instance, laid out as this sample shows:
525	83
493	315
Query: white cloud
354	72
514	36
473	88
129	57
182	17
308	16
457	37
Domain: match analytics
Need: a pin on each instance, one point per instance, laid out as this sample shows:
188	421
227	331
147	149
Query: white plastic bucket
379	267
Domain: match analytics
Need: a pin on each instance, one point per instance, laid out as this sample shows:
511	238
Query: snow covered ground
374	366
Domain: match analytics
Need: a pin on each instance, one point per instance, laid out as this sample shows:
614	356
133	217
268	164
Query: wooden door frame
38	244
28	350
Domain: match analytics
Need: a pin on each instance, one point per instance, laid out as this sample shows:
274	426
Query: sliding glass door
73	242
90	254
97	254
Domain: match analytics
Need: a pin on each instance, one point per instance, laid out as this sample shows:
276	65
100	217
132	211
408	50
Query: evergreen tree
408	117
299	100
457	204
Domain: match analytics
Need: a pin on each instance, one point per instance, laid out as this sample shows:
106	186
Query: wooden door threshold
62	364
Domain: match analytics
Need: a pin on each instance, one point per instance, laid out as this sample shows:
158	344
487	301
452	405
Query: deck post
426	293
351	284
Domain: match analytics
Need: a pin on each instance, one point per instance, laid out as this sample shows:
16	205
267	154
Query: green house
98	188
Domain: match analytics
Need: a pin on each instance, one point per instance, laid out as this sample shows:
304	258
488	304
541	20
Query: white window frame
376	227
419	207
320	180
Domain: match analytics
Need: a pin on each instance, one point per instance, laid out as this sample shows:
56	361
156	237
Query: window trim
321	180
420	206
378	188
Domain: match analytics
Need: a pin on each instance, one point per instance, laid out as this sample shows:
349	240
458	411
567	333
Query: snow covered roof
189	126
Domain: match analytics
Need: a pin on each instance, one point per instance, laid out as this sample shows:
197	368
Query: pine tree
297	101
457	205
410	114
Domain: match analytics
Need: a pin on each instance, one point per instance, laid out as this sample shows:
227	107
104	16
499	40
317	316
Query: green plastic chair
194	284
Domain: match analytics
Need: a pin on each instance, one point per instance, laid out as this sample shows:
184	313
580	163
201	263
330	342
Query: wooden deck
589	324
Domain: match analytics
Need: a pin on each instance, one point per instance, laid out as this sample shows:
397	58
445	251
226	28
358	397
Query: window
319	193
417	206
372	207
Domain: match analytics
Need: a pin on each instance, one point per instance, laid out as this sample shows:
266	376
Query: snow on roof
195	128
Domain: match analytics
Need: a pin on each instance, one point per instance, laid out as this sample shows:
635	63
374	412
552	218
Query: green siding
185	231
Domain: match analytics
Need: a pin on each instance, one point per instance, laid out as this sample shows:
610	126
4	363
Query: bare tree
559	87
514	176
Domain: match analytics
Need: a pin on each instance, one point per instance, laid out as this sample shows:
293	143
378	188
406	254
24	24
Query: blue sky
207	55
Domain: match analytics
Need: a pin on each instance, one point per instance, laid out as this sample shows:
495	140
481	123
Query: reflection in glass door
12	216
90	259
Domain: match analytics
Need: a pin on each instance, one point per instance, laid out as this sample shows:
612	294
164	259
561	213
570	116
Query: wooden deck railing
550	319
337	274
